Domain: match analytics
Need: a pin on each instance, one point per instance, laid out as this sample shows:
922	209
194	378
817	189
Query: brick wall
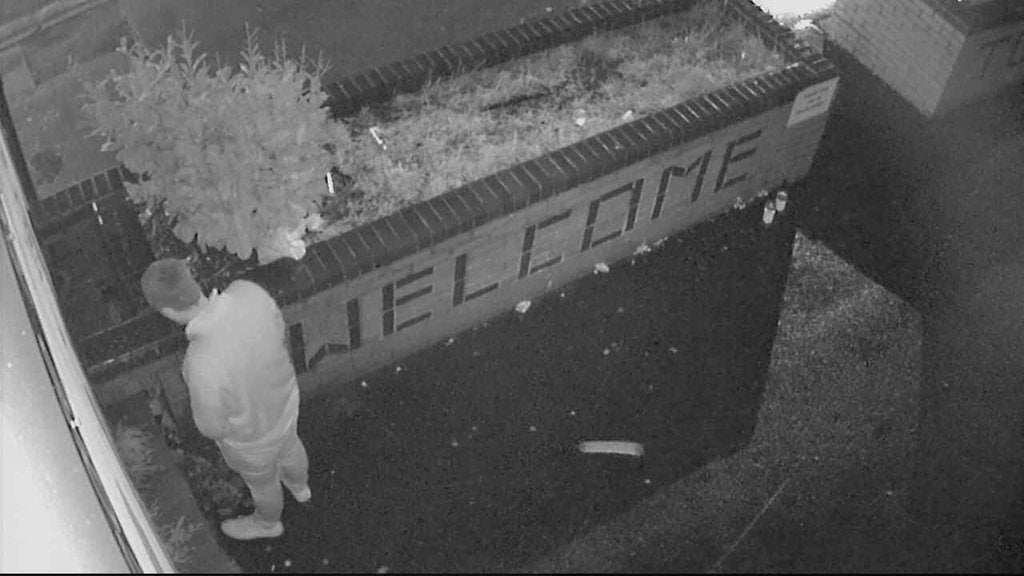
936	54
368	322
361	300
424	298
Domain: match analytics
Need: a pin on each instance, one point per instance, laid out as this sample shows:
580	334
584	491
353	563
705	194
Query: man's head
169	287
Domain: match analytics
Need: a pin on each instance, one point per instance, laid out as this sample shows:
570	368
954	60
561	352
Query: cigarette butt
612	447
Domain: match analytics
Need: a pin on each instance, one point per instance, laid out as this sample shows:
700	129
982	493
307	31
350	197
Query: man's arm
209	410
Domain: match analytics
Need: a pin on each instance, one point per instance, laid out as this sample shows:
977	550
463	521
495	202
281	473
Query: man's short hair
168	283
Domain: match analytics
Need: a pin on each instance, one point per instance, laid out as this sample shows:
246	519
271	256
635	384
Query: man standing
241	385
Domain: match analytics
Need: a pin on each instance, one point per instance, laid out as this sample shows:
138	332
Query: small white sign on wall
812	101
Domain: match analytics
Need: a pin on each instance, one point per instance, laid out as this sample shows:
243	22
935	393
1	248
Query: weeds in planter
465	128
134	446
219	491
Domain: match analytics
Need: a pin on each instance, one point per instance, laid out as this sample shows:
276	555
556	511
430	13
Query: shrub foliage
234	157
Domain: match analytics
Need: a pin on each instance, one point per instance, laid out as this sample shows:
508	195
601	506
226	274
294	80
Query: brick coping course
425	224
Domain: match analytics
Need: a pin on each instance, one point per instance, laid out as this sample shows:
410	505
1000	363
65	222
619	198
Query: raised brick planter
381	291
938	54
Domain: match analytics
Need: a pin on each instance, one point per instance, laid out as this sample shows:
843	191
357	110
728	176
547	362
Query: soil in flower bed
459	130
464	457
452	132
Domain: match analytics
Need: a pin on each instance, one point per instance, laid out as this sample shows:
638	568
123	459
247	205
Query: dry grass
465	128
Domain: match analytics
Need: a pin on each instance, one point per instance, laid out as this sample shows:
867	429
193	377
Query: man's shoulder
248	298
247	289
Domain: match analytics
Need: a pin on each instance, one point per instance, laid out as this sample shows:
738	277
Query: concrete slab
56	142
17	77
81	37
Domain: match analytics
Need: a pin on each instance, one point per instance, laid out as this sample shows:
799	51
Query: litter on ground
623	448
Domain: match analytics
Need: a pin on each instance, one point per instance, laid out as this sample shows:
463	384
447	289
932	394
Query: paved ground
823	485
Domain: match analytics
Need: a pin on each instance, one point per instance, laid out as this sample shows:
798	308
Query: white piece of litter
364	384
523	306
780	201
314	222
375	132
623	448
601	268
641	249
627	116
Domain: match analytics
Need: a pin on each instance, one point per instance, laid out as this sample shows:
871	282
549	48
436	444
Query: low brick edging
168	494
937	54
352	292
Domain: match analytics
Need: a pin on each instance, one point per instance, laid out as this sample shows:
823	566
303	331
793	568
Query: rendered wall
937	55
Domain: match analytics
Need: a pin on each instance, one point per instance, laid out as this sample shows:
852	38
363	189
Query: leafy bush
235	158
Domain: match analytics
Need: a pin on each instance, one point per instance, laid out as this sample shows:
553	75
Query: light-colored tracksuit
244	394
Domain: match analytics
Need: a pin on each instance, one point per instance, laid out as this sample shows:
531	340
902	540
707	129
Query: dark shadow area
464	457
905	198
96	257
932	210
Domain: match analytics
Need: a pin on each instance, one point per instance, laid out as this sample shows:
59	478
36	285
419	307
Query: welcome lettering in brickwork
695	184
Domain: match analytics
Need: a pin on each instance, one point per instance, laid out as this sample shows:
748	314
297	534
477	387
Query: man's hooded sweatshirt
240	377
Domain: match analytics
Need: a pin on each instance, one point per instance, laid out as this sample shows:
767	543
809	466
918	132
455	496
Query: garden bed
420	145
443	264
